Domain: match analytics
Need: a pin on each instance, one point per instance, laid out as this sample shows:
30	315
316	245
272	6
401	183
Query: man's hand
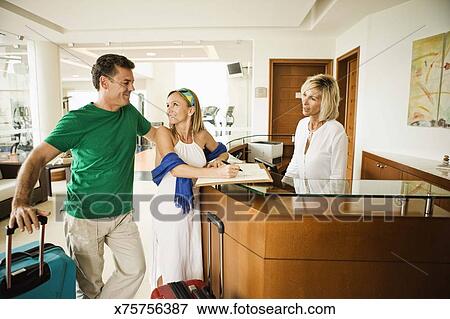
25	216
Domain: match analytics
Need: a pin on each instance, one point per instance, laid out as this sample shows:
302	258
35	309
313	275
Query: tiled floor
55	232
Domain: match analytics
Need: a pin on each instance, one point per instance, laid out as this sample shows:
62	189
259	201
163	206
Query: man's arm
151	134
22	212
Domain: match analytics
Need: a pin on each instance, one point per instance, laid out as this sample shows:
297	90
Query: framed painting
430	82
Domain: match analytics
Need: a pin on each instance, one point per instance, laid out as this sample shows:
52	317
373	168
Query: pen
227	163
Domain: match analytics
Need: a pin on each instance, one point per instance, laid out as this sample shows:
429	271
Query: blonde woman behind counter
320	149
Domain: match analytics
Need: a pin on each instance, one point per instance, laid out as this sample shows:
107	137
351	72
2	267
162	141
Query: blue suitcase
36	270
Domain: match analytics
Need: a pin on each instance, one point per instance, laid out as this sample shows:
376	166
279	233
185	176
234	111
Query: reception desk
353	239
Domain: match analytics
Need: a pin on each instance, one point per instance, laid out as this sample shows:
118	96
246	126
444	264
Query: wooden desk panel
278	256
355	279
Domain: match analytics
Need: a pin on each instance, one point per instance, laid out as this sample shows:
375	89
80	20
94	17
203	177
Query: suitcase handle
16	256
9	232
30	253
214	219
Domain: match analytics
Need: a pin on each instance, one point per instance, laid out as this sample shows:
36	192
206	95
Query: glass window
15	112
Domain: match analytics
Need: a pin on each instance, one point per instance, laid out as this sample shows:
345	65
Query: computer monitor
235	70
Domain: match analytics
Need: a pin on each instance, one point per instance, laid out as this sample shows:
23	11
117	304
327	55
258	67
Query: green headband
188	94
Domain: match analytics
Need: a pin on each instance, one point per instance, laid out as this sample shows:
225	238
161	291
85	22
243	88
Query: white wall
157	90
384	79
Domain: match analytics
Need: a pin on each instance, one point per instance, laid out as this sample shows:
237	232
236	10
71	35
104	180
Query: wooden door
347	77
350	118
286	79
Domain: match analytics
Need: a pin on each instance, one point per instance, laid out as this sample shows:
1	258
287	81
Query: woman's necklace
310	135
312	130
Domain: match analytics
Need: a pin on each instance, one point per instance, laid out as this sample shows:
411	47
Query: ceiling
146	14
149	31
67	18
77	60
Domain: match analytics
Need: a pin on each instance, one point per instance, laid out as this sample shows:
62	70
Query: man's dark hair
106	65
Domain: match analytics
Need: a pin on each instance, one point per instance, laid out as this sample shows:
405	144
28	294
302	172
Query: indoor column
45	88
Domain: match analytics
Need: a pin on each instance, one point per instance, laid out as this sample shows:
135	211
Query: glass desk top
285	186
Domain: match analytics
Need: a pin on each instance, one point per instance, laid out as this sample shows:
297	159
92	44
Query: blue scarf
183	188
184	197
214	154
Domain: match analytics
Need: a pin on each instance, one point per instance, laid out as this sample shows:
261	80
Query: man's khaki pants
85	241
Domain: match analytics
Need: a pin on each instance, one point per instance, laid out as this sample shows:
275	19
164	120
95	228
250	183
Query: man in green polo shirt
102	138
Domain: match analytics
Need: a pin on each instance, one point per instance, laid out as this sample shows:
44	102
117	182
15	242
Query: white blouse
326	157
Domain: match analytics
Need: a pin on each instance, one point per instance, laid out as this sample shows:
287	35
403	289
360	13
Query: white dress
176	237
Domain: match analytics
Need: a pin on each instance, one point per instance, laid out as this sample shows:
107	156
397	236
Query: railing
243	138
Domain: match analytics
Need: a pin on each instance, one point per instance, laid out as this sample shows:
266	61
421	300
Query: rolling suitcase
36	270
196	289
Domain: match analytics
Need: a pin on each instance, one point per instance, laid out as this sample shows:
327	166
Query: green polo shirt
103	146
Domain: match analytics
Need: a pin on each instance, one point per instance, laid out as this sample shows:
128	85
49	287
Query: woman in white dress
320	149
182	154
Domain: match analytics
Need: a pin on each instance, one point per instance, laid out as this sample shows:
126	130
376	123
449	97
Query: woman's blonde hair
192	101
327	85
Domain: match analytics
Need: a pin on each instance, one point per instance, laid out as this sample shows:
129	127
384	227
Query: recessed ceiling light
75	76
150	54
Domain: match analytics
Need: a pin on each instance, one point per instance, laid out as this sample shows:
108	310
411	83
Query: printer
268	151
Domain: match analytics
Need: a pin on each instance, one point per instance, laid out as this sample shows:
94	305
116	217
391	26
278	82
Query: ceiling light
150	54
10	57
20	37
75	76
